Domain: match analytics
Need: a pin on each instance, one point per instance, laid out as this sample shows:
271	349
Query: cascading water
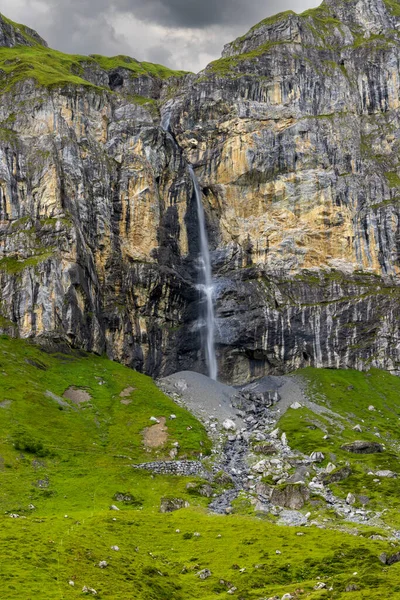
206	284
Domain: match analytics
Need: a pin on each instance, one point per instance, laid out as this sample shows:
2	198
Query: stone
320	586
383	558
293	496
363	447
103	564
113	507
296	405
352	587
88	590
115	548
154	420
330	468
393	559
71	583
317	457
386	473
338	475
287	597
229	425
351	499
204	574
358	428
371	408
169	505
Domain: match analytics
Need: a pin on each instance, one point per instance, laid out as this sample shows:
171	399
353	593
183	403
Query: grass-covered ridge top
52	68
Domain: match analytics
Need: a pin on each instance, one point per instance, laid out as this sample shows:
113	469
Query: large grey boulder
293	496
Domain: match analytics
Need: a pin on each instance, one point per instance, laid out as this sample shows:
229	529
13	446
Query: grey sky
183	34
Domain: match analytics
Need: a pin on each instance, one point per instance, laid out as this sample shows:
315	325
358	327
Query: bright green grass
51	68
349	394
84	457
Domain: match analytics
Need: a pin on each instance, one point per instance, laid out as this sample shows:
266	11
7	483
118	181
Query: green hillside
63	463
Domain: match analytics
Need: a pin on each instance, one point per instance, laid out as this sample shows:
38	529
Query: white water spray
206	285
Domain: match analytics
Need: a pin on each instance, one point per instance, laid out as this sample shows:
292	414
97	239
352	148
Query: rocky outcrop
294	136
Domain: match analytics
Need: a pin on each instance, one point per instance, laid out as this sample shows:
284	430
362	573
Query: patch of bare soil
77	395
157	435
125	395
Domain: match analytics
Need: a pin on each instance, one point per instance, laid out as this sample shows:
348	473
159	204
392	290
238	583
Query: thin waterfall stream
206	285
206	280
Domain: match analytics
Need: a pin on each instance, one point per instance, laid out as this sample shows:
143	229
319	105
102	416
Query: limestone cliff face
294	135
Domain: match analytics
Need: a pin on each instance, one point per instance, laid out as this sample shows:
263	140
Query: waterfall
206	285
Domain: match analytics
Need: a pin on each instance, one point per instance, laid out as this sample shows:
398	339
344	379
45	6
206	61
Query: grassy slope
84	458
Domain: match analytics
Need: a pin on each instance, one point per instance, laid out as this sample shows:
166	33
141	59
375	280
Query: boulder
169	505
293	496
361	447
336	476
229	425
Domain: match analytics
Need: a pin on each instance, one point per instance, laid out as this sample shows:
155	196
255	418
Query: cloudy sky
182	34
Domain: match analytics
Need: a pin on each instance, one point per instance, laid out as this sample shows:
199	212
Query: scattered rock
115	548
361	447
351	499
71	583
392	560
88	590
292	496
204	574
296	405
336	476
103	564
169	505
317	457
371	408
113	507
352	588
383	558
229	425
358	428
320	586
330	468
386	473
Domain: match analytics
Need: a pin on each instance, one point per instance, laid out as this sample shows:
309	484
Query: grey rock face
292	496
12	34
294	136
